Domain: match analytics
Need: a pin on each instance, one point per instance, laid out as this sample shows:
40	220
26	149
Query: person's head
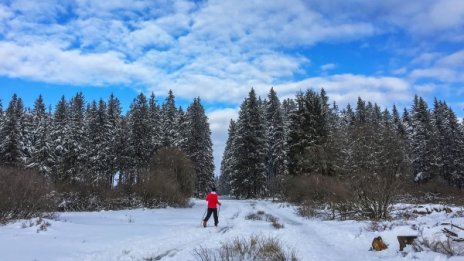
213	189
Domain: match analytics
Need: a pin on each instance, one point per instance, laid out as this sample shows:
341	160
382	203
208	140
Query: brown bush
317	191
23	194
170	178
436	190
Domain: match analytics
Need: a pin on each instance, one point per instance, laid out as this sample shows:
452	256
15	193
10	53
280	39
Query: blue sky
383	51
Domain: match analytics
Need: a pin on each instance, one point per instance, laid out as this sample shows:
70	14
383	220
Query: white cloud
346	88
48	63
328	67
445	68
426	17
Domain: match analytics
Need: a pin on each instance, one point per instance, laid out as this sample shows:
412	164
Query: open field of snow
173	234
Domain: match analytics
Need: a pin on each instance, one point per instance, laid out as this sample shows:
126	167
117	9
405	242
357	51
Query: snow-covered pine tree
248	177
450	144
25	121
169	117
401	131
226	162
125	162
181	130
308	136
115	136
423	147
75	157
98	158
60	142
140	138
155	124
41	143
10	144
276	160
345	130
199	148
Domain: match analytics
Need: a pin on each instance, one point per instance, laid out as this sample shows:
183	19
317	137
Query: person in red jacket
213	202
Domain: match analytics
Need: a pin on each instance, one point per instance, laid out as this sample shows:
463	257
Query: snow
174	233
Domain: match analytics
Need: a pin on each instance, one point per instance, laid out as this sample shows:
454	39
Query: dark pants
215	215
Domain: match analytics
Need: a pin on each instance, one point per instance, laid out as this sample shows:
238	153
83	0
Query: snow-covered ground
173	234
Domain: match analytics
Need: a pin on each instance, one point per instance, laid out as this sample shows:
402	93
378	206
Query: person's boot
204	223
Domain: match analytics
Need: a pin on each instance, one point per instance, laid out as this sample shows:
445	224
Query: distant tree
116	137
249	175
60	142
169	118
155	124
139	135
41	142
199	148
450	144
276	160
10	144
227	161
422	142
308	136
75	156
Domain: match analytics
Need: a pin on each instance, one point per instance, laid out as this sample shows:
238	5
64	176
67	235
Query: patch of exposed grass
254	248
261	215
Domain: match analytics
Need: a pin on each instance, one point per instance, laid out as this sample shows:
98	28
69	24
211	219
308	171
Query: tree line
272	142
93	143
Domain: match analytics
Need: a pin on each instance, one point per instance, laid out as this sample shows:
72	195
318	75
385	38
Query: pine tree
42	150
199	148
140	139
60	142
155	124
227	162
248	177
26	129
450	144
75	159
276	160
169	118
116	137
181	130
422	142
98	146
308	136
10	146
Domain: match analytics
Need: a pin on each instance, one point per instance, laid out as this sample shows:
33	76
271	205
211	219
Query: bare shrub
316	191
436	190
375	194
23	194
170	178
254	248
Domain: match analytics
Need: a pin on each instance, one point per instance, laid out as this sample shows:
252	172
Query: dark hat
213	189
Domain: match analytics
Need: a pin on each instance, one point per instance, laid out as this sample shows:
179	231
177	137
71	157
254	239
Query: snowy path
173	234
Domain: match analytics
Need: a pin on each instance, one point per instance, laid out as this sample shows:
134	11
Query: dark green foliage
10	133
198	147
249	172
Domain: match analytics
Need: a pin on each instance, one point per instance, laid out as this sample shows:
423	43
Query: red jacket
212	199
